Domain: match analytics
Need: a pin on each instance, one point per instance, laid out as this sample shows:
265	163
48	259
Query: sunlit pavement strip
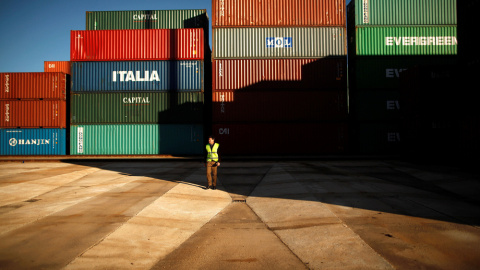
27	190
80	189
308	228
158	229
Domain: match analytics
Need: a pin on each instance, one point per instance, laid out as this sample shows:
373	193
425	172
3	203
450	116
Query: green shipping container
147	19
136	107
406	40
386	71
140	139
405	12
376	137
375	105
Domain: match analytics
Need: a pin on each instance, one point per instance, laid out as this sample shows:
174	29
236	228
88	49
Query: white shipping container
271	43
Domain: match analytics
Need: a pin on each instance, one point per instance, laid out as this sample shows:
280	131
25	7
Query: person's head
211	140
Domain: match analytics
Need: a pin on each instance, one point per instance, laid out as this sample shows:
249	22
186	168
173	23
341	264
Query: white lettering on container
421	41
127	76
393	72
366	11
142	17
222	104
393	137
80	140
222	7
14	142
136	100
393	105
7	112
224	131
7	83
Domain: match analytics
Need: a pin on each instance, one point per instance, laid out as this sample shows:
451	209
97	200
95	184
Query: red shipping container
279	106
323	73
33	85
281	138
125	45
33	113
56	66
277	13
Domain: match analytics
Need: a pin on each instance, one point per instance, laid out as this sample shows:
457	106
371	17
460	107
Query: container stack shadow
138	82
279	77
401	61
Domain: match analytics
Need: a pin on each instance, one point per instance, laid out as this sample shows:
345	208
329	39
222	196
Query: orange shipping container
33	113
57	66
33	85
278	13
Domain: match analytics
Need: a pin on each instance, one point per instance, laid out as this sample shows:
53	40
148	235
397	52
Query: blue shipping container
32	141
137	76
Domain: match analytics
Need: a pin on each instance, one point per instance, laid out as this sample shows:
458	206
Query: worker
212	162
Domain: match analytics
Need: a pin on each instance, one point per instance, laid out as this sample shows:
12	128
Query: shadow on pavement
393	186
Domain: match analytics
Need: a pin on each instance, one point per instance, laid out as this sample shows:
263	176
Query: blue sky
34	31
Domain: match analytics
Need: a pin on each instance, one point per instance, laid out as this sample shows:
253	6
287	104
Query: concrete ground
305	214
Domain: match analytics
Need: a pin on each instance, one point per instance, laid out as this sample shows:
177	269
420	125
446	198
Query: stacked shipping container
279	84
57	66
138	83
386	40
33	109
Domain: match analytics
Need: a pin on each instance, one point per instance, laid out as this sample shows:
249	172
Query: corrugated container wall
184	75
405	12
321	73
406	40
32	141
56	66
387	40
33	85
136	139
277	13
33	113
275	138
279	105
286	42
380	72
136	107
126	45
279	75
147	19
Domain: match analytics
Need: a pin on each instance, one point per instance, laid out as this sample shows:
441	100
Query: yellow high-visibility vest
212	154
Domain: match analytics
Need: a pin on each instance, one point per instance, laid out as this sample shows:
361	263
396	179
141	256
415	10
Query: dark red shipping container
33	85
323	73
125	45
279	106
281	138
278	13
33	114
